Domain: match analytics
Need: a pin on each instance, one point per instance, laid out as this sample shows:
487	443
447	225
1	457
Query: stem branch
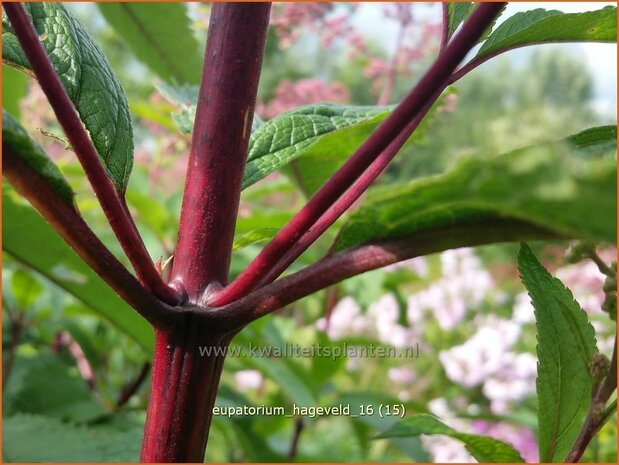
602	266
433	81
17	325
113	206
296	436
67	221
349	197
335	268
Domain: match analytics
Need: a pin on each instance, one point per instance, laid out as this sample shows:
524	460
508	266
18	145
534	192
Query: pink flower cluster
289	19
38	115
464	284
330	25
487	360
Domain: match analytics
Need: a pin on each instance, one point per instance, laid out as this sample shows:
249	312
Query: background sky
601	58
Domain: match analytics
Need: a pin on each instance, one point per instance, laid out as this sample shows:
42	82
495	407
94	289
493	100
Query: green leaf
542	26
44	385
26	289
596	142
30	240
319	161
565	346
161	37
282	373
553	186
88	79
14	86
483	448
14	135
328	130
152	213
457	12
253	237
185	97
31	438
291	134
314	164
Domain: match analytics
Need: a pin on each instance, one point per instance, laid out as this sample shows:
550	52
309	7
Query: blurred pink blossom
247	380
418	265
415	40
401	375
487	359
381	321
289	95
334	28
289	19
585	281
471	363
345	319
520	437
464	284
512	381
383	317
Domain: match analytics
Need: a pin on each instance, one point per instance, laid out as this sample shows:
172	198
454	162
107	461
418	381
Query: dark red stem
475	62
433	80
17	325
183	392
299	425
335	268
387	90
113	206
596	417
445	26
234	50
184	380
129	389
67	221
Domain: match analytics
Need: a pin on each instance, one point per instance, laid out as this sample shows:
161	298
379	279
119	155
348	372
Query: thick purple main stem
234	50
434	79
185	381
113	206
186	369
